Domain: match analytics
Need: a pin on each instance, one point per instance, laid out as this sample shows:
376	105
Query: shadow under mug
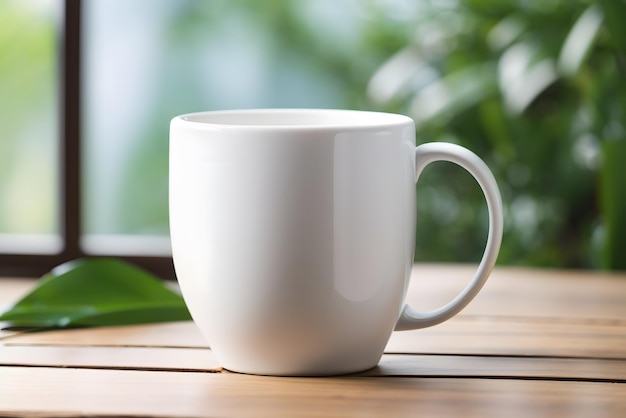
293	234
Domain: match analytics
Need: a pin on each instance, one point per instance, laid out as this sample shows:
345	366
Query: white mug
293	234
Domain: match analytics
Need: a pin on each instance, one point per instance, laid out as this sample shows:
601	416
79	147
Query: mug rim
291	119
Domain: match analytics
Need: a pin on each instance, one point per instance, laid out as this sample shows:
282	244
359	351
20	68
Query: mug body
293	234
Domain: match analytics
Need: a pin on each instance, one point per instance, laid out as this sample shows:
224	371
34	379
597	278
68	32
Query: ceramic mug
293	234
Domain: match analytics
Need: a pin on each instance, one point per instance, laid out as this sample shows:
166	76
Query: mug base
300	373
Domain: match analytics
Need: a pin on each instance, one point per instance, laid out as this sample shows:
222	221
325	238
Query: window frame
70	199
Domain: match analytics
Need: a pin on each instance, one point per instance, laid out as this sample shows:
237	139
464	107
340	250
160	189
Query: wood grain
514	337
462	335
170	334
509	291
114	392
132	358
13	290
501	367
524	292
533	343
399	365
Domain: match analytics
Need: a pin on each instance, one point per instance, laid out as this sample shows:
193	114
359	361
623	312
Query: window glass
147	61
29	126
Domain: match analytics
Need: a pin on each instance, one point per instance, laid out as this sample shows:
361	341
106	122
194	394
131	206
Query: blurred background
535	87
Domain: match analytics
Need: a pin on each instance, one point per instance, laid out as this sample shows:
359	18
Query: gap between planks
391	365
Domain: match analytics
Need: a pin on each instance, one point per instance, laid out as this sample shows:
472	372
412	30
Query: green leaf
97	292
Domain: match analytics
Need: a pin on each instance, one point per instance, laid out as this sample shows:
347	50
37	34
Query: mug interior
314	118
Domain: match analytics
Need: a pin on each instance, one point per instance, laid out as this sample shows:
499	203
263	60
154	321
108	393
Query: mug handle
441	151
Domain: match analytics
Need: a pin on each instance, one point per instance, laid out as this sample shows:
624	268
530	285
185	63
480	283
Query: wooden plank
76	392
514	337
13	290
415	365
168	334
133	358
563	327
462	335
511	291
203	360
520	312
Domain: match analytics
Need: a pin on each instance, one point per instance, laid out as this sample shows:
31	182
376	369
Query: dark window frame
70	218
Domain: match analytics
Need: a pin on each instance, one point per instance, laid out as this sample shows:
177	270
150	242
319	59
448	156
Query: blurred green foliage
535	87
28	111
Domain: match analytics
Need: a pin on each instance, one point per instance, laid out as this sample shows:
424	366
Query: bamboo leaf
96	292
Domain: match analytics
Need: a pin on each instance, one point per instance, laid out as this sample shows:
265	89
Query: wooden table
533	343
